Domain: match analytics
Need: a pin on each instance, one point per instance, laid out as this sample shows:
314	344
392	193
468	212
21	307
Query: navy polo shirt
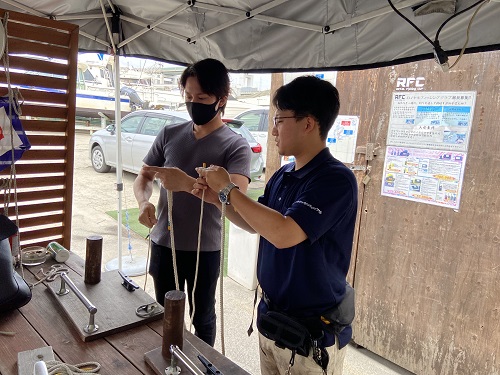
307	279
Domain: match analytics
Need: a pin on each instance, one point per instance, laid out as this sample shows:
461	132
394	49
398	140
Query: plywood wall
428	277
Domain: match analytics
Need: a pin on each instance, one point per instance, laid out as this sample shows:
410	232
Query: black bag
285	332
342	315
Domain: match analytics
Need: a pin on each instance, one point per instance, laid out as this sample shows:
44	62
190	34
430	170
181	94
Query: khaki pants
275	361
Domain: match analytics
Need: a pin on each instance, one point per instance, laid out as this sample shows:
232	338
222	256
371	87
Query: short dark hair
310	96
212	76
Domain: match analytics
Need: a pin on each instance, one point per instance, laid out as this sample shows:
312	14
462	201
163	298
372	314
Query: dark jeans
162	271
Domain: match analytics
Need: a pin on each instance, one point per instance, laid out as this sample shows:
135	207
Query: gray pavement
95	193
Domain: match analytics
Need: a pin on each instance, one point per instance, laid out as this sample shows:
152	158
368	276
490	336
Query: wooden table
40	323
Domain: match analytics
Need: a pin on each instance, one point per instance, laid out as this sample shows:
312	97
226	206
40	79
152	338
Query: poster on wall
431	119
424	175
341	139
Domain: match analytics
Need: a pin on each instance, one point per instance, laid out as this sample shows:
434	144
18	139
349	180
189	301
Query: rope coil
61	368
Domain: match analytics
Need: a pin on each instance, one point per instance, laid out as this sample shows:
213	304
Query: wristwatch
224	193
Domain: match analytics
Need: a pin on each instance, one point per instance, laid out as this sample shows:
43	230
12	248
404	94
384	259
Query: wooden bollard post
93	259
173	322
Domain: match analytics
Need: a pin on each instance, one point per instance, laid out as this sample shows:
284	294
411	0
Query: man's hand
172	178
147	214
215	177
201	186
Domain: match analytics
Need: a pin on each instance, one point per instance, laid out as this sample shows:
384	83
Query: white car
257	121
139	130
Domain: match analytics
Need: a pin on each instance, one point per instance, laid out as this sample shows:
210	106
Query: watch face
222	196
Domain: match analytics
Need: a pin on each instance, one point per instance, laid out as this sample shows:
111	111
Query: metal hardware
211	369
91	327
150	309
178	354
357	167
370	150
128	283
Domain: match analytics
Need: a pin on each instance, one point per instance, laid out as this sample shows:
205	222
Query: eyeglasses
278	118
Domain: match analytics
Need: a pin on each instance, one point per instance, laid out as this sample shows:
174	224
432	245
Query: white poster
341	139
431	119
424	175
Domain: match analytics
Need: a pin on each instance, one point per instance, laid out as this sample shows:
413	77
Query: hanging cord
197	257
127	224
170	201
60	368
221	276
441	56
14	105
147	258
467	39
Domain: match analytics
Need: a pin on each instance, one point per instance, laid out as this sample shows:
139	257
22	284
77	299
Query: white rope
197	258
221	273
60	368
54	272
170	201
221	276
147	259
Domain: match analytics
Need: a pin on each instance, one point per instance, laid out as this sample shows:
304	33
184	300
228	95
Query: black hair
310	96
212	76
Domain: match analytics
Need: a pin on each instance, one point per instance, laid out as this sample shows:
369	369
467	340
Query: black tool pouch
285	332
342	315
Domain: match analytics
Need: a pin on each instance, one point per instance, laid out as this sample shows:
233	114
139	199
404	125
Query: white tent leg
133	266
119	171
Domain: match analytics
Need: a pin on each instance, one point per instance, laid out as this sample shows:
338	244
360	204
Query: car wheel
98	161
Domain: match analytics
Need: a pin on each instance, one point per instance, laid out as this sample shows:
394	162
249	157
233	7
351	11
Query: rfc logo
410	84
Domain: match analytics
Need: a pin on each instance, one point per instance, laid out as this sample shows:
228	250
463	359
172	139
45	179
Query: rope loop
57	367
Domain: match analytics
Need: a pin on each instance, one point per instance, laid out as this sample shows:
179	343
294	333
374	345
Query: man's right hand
147	214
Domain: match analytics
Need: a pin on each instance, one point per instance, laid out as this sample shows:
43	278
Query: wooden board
26	360
191	348
116	306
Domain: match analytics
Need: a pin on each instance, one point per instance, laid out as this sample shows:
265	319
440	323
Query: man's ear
311	124
222	101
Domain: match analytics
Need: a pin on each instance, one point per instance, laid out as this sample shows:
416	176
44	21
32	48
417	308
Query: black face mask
200	113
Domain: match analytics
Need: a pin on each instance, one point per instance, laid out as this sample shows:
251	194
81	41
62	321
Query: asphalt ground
95	194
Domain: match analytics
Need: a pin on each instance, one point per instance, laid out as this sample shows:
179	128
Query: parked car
257	121
139	130
257	162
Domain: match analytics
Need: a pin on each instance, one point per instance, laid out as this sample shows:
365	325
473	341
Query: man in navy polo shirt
306	220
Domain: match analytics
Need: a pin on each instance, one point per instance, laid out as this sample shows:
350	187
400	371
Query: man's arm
143	189
281	231
172	178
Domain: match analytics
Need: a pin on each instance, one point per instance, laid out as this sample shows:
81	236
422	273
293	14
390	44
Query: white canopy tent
273	35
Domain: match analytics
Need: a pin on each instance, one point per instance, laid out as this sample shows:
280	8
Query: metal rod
158	29
113	45
174	349
90	307
154	24
236	20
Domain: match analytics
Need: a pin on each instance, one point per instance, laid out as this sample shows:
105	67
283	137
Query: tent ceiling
271	35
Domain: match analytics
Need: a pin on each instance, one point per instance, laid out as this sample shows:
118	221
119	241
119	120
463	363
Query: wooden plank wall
428	277
42	61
